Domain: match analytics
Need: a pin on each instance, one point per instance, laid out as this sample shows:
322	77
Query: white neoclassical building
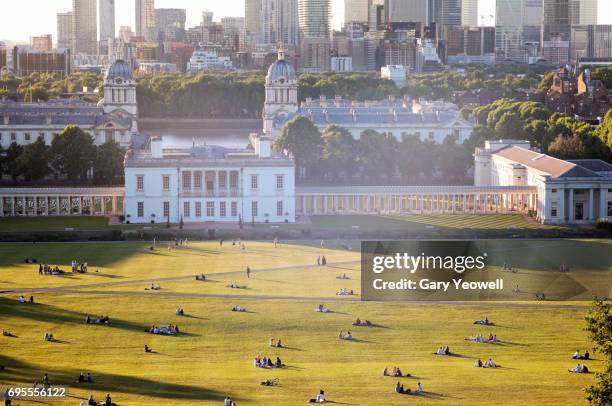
209	183
112	118
574	191
431	121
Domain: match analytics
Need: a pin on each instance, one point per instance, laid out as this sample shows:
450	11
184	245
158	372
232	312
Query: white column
114	203
36	205
570	213
13	206
603	210
591	209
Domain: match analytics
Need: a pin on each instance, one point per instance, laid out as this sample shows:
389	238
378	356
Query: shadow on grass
21	372
48	313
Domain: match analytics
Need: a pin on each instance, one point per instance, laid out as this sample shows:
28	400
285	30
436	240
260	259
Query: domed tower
281	92
120	89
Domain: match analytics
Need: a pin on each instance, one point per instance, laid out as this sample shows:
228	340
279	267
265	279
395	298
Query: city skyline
14	28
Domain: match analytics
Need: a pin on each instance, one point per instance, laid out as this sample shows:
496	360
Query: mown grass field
334	223
212	357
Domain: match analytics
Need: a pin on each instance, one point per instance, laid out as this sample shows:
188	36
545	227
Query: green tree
604	130
453	159
34	160
570	147
73	152
377	154
599	328
108	165
11	161
304	141
339	151
546	82
510	126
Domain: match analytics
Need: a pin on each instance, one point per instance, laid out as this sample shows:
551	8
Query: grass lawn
414	223
212	357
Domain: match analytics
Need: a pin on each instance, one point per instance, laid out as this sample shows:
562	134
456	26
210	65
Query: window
198	209
431	136
234	209
280	184
233	180
254	208
13	137
553	209
553	190
166	182
197	179
140	206
210	209
26	137
609	209
140	183
41	134
186	209
166	209
279	208
254	182
222	209
186	180
222	180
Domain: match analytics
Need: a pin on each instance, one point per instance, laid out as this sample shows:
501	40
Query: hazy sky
19	19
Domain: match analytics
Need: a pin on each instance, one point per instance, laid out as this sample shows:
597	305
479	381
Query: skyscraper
407	11
356	10
314	18
107	19
252	16
64	30
145	16
469	12
450	12
517	24
286	22
84	27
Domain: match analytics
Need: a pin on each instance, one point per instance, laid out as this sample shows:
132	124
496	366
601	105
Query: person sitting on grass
180	312
399	388
278	363
485	322
22	299
489	364
320	398
385	372
49	337
147	348
322	309
419	388
492	338
91	401
396	372
237	308
81	378
89	379
108	401
443	351
7	333
478	363
576	355
580	369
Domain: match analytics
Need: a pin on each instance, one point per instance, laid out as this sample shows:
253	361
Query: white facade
113	118
201	60
209	184
567	191
396	73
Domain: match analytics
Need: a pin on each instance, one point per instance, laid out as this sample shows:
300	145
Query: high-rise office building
170	24
207	18
252	16
84	27
399	11
469	13
42	43
356	10
286	22
517	26
145	16
64	30
314	18
558	18
450	12
107	19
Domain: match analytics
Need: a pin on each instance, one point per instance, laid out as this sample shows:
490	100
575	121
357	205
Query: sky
20	19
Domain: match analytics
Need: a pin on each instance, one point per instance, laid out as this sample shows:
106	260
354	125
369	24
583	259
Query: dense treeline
241	94
71	156
337	157
557	134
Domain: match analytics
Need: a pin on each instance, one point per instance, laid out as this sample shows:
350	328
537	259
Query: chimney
263	146
157	147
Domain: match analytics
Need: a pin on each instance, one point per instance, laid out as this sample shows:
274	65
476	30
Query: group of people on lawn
166	330
266	362
99	320
399	388
479	338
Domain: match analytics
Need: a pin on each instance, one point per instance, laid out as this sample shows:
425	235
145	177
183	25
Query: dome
280	69
119	69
